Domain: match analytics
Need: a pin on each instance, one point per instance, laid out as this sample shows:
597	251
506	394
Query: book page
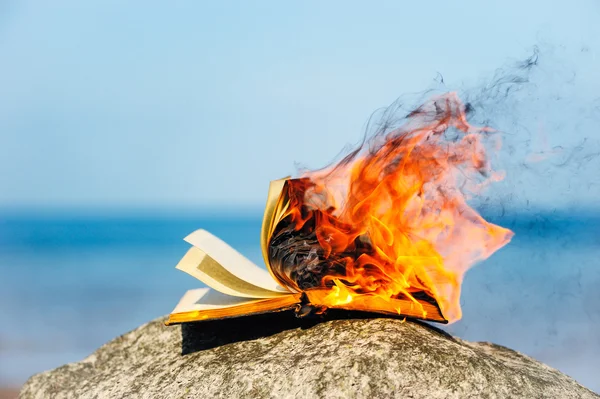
234	262
275	189
207	304
207	299
198	264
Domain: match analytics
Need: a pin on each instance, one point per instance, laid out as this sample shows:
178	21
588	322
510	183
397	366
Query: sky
111	104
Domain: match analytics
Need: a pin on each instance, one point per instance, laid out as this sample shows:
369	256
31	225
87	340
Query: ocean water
71	282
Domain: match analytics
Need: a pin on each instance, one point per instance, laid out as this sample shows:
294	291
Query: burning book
386	230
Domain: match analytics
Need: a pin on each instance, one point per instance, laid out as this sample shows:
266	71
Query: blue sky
143	104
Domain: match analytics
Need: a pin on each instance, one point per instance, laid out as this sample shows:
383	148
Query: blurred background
124	126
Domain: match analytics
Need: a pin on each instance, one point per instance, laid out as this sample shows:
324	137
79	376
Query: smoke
547	113
548	118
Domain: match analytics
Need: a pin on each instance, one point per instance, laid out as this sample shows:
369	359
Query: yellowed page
207	299
207	304
275	189
198	264
280	211
233	262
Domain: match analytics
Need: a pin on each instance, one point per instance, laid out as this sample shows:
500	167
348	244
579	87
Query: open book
238	287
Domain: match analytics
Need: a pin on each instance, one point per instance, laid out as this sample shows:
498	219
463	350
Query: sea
72	281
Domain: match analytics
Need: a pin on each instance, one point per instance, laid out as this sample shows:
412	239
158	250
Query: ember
391	220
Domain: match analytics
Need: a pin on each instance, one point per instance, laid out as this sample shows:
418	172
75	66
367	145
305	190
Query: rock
279	356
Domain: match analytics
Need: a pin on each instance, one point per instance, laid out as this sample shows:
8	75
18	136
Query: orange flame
406	199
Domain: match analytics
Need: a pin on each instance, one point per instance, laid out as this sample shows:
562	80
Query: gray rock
278	356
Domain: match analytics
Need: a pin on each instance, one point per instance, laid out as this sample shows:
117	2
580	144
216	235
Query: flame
391	219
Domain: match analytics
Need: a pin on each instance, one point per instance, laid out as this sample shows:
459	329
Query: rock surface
278	356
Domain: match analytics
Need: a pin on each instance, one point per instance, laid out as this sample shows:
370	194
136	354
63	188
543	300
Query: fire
391	219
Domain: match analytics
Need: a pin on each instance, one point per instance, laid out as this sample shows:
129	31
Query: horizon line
239	210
